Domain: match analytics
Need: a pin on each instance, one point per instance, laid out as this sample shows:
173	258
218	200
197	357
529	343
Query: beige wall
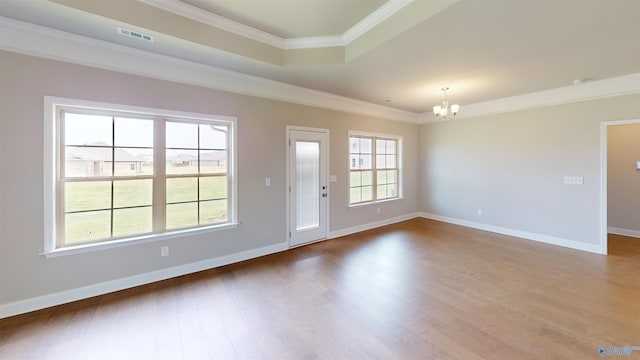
26	80
512	166
623	181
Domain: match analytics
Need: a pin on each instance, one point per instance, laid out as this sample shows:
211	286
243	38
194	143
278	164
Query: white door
307	184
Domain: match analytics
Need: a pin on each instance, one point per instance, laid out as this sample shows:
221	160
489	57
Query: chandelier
444	110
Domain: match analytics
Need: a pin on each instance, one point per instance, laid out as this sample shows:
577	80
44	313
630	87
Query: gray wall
26	80
512	166
623	182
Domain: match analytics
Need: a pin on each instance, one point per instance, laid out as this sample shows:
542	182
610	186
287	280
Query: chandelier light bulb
444	109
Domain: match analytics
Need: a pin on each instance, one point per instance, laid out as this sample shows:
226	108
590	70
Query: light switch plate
333	178
637	165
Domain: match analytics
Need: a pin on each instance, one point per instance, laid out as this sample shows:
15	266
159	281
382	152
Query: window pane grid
106	176
383	152
201	164
86	193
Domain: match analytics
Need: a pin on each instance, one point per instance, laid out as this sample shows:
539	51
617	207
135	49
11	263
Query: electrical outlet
377	210
479	212
164	251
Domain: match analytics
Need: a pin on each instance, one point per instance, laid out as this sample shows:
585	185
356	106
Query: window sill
71	250
373	203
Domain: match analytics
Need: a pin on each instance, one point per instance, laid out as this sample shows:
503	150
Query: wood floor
420	289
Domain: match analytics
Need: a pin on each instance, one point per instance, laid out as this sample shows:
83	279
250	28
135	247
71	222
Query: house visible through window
374	173
125	174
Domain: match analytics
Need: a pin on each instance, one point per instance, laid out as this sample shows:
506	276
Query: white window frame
373	137
51	153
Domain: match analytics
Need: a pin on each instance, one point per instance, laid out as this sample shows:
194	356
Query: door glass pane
307	184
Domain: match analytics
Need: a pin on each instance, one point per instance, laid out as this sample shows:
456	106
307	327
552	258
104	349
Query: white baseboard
373	225
594	248
41	302
624	232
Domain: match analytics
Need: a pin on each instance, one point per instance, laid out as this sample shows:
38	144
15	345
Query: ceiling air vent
135	34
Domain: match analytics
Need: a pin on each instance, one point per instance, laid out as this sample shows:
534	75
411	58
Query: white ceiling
293	18
482	49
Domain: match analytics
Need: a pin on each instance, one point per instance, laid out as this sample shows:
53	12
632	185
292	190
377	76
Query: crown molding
35	40
374	19
592	90
313	42
195	13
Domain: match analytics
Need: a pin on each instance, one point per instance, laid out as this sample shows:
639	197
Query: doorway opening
604	171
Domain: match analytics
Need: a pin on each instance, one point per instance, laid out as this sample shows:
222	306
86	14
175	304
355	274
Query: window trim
51	153
374	136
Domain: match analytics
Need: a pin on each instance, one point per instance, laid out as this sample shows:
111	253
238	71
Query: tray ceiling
482	49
